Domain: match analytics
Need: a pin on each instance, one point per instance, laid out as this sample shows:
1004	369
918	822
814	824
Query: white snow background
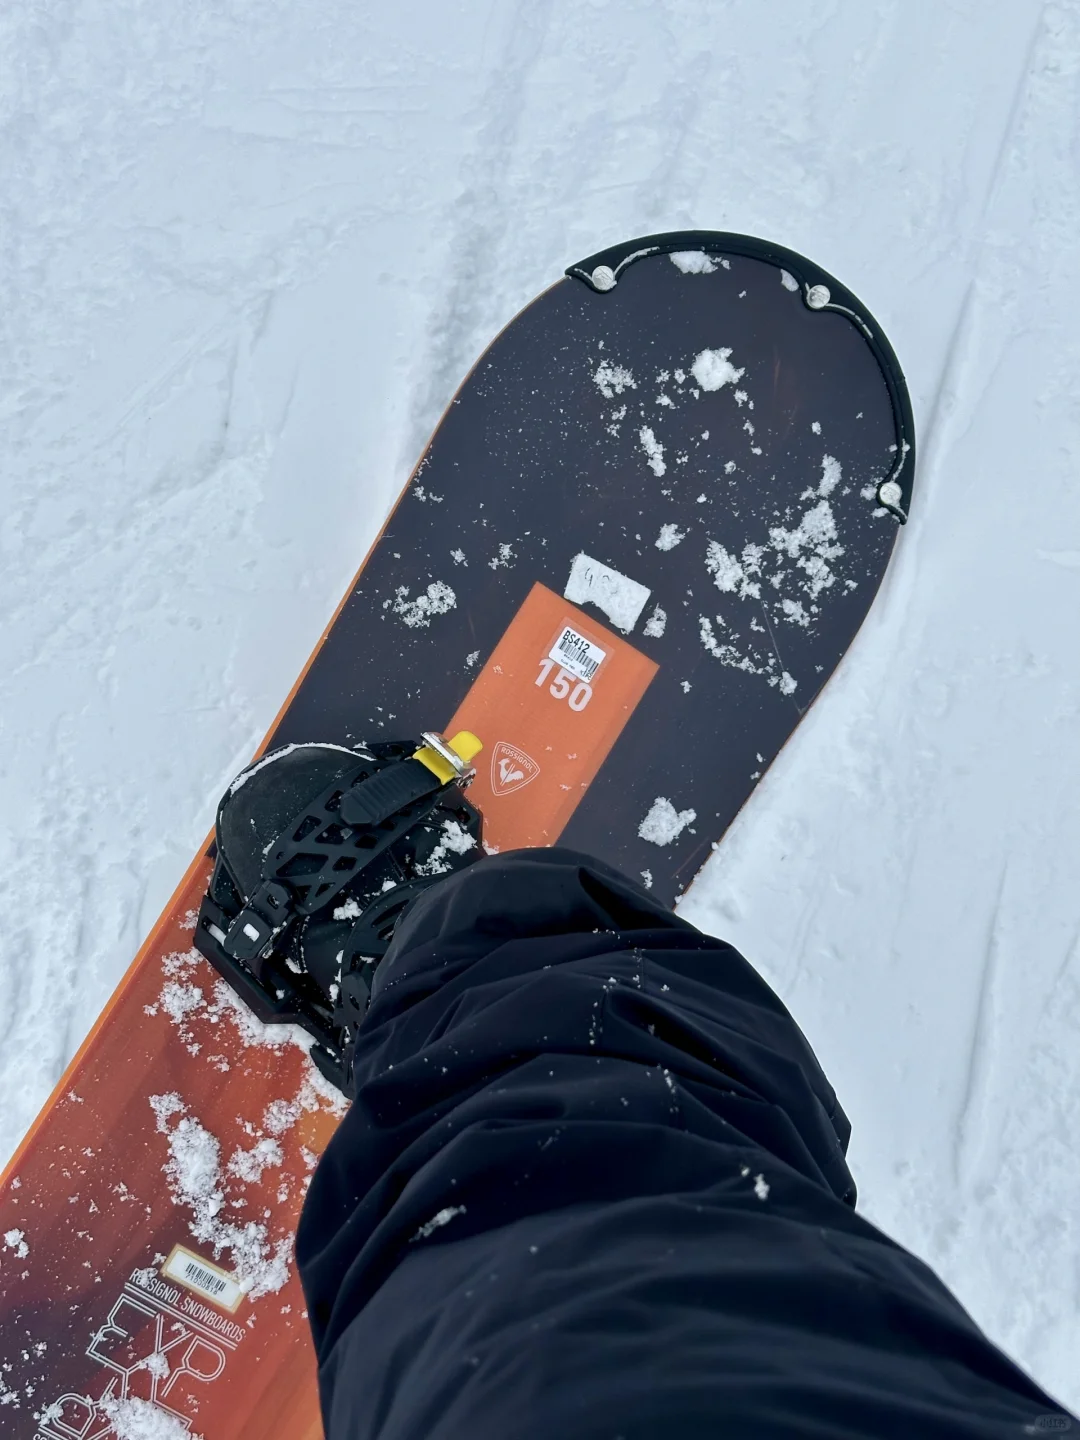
247	250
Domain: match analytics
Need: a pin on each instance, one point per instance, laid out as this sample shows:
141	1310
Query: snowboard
639	542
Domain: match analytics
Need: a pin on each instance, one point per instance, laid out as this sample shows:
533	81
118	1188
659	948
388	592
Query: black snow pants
593	1187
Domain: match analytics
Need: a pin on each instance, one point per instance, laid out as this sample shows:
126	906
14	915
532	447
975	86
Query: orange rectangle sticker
548	705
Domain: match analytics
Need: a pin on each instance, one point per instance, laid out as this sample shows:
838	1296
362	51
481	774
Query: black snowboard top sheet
704	442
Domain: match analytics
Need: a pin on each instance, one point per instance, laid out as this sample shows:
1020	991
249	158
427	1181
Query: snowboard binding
318	851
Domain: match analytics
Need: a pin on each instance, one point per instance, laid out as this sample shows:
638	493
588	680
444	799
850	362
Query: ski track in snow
247	258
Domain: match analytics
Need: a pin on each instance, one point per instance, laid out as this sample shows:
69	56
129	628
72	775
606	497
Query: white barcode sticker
205	1278
576	654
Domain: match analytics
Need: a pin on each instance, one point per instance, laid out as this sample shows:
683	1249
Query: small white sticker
620	598
577	654
205	1278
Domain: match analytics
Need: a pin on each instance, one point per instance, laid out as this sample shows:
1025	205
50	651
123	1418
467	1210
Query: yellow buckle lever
449	759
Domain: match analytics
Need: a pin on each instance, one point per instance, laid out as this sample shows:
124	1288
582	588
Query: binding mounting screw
891	494
817	297
603	278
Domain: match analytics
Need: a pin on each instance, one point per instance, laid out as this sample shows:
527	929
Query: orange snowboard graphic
548	705
142	1167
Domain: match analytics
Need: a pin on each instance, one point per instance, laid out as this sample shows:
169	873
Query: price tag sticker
576	653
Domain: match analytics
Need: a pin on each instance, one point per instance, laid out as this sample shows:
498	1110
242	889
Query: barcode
206	1279
203	1277
577	652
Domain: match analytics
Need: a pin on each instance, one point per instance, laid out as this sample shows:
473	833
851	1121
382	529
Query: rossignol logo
158	1348
511	768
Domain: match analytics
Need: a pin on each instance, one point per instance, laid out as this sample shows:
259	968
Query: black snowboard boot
319	850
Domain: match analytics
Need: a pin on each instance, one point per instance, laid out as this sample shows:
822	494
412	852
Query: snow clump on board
454	841
612	379
729	654
811	544
712	369
16	1240
656	623
669	537
437	599
734	575
793	591
135	1419
654	451
692	262
198	1179
664	823
196	1182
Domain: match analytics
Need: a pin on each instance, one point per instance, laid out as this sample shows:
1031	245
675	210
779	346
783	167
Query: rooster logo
511	768
507	773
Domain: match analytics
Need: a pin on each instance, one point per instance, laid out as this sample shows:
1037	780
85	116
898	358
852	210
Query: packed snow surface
248	253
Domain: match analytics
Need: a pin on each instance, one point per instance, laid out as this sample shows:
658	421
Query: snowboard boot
319	849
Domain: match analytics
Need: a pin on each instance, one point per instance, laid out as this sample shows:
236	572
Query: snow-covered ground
246	252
